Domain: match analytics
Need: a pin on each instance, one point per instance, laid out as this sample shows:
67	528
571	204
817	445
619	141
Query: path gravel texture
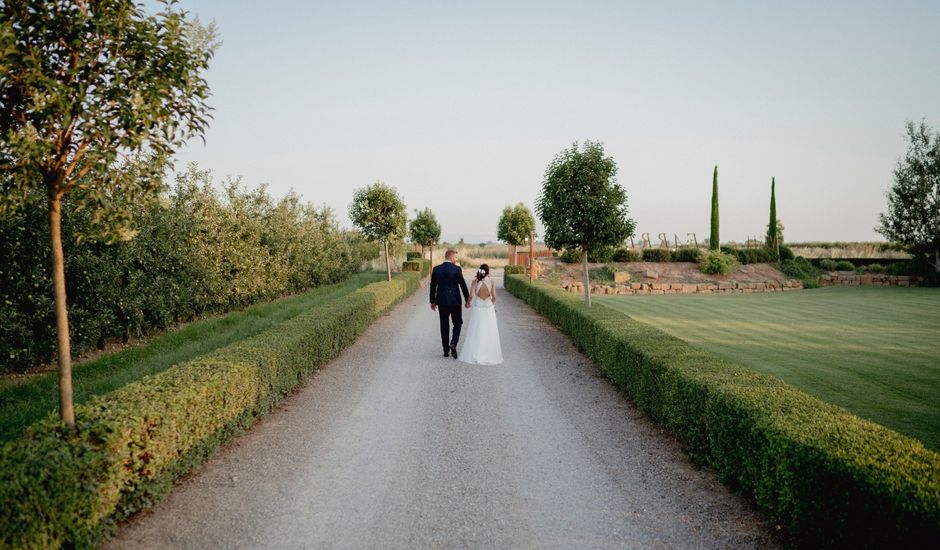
393	446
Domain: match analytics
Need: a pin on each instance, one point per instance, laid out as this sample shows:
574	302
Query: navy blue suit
447	283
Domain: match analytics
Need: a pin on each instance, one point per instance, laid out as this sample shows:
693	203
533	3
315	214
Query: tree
913	216
380	215
581	205
714	242
424	230
773	239
94	99
516	224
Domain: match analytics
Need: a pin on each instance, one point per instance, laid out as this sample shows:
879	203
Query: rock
621	277
650	274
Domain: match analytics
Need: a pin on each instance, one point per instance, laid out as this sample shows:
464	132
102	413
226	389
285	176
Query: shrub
514	270
749	255
717	262
898	268
570	256
602	274
625	255
65	487
657	255
844	265
828	264
421	266
687	254
830	478
414	256
876	268
786	253
800	268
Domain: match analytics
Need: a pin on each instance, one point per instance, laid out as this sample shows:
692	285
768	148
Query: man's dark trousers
447	284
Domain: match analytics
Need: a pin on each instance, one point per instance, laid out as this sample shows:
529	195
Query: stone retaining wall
687	288
835	278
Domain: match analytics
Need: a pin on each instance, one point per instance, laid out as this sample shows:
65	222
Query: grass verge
23	404
827	477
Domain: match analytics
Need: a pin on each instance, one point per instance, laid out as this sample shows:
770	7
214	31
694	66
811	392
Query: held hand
467	305
433	307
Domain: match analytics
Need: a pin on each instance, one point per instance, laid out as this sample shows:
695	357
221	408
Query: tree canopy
380	214
581	205
94	99
913	215
515	224
424	229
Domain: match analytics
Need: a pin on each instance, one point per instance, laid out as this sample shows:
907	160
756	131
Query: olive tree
379	213
515	225
582	206
913	216
424	230
94	99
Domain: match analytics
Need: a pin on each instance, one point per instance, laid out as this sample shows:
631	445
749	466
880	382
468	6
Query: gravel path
393	446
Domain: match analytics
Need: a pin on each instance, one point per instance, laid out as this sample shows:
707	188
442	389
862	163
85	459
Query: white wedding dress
482	344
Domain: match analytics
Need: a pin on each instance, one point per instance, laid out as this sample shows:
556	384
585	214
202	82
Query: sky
462	105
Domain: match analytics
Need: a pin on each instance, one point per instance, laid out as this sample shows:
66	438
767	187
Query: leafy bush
876	268
687	254
514	270
898	268
570	256
421	266
828	264
64	487
843	265
413	256
603	274
800	268
717	262
201	252
625	255
830	478
657	255
749	255
786	253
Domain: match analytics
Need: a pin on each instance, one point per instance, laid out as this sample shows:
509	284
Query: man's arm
433	290
463	286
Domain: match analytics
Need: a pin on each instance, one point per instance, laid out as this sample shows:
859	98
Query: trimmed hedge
828	477
421	266
657	255
413	256
64	487
514	270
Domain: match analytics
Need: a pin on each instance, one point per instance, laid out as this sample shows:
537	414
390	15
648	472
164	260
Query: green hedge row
63	487
514	269
421	266
828	477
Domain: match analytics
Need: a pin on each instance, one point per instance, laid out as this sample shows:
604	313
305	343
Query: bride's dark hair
486	271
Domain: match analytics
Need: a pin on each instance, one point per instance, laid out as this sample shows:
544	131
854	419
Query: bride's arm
493	293
473	291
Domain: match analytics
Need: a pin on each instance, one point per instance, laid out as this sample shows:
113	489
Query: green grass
874	351
23	404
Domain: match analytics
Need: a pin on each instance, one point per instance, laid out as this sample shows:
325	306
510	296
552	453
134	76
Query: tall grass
872	249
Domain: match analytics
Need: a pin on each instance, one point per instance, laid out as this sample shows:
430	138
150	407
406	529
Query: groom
445	299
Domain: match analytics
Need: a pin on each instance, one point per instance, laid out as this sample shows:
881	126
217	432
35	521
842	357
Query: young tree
424	230
94	99
515	225
379	214
773	239
714	242
913	216
581	205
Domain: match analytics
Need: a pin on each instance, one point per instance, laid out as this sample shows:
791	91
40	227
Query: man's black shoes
446	352
453	351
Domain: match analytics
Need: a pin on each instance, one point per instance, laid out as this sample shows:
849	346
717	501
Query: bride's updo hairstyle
483	272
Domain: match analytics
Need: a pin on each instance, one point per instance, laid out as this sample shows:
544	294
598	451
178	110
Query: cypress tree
772	240
713	241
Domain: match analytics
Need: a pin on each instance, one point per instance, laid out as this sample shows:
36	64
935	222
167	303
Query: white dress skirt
482	346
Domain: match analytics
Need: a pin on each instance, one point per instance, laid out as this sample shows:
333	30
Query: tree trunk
61	312
431	256
531	257
388	263
587	282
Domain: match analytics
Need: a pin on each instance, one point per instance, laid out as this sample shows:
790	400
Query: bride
482	344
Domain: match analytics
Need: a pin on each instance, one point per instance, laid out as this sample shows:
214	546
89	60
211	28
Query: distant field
874	351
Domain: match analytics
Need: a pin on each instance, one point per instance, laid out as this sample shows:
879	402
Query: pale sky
462	105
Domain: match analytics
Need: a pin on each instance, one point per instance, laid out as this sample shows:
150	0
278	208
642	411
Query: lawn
873	350
23	404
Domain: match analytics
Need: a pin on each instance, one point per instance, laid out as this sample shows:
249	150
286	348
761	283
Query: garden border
826	476
61	486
